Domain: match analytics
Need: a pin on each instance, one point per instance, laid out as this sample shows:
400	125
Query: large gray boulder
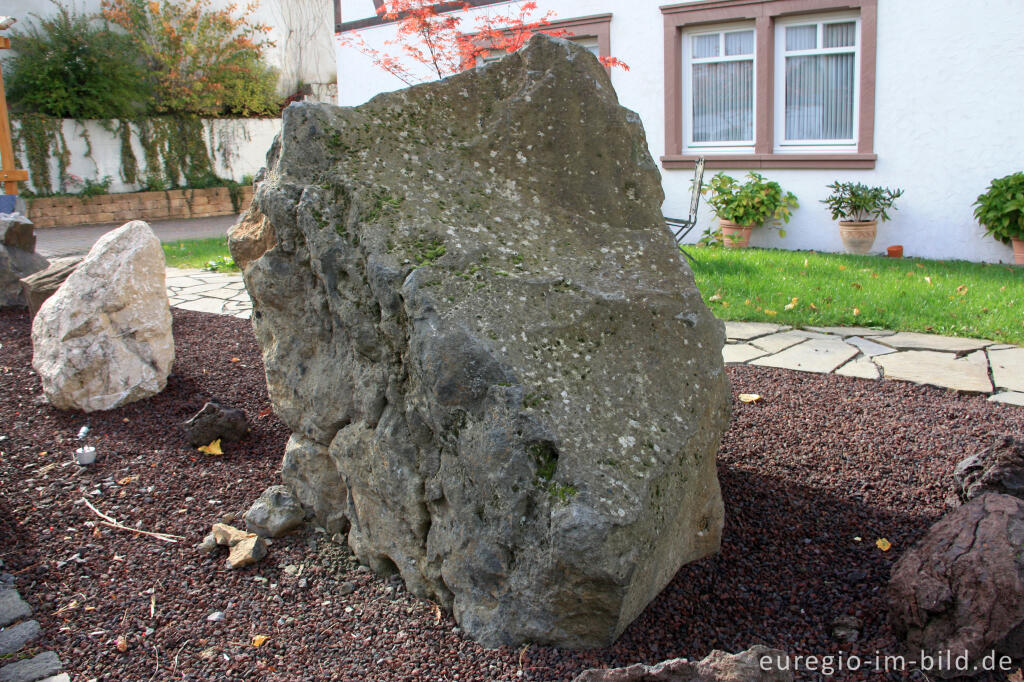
104	338
957	596
495	363
17	257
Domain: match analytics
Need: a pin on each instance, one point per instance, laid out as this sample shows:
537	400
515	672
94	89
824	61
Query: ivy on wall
177	151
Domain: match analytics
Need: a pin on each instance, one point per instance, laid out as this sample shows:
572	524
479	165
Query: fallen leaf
265	413
126	480
770	312
918	265
437	614
812	306
856	285
856	312
746	302
790	306
259	640
928	279
715	297
805	262
126	420
1016	676
121	644
211	449
961	290
236	359
842	267
883	544
749	397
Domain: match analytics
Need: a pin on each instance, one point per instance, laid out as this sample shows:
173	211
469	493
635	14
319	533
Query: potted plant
1001	211
859	208
741	207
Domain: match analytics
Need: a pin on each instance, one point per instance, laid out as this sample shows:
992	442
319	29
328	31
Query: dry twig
114	523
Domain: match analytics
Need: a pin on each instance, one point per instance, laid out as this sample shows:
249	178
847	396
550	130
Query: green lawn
200	253
824	289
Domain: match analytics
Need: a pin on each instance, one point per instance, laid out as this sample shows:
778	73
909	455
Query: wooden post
10	175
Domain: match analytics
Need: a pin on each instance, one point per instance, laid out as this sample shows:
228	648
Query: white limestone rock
104	338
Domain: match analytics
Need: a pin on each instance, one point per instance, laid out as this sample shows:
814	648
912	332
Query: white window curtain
721	87
820	82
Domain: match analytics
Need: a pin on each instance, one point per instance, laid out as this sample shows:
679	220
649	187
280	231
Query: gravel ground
818	463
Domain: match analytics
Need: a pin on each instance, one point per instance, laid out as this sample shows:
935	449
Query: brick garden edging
117	208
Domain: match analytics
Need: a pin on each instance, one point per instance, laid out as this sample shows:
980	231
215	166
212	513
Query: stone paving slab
813	355
751	330
734	353
917	341
1009	398
775	343
861	368
1007	368
32	669
17	636
969	373
12	607
869	348
851	331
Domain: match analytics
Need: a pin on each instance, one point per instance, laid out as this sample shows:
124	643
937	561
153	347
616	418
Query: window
770	83
719	88
816	84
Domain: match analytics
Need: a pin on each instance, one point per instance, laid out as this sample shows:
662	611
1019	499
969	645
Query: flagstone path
969	365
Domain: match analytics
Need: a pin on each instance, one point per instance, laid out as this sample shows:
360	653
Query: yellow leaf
259	640
790	306
211	449
842	267
236	359
746	302
725	304
749	397
812	306
126	480
883	544
856	311
961	290
770	312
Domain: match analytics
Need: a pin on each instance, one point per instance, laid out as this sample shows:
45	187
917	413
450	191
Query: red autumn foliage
435	39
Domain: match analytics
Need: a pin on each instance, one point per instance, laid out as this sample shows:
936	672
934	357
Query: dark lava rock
999	468
756	664
960	590
493	359
216	421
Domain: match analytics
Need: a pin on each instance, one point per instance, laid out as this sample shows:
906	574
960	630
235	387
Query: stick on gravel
113	523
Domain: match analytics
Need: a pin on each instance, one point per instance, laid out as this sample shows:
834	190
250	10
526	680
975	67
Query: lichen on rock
496	366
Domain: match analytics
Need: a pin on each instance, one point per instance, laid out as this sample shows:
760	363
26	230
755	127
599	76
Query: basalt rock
495	364
999	468
959	592
17	257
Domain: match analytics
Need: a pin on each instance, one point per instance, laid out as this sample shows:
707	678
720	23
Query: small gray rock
274	513
17	636
346	588
17	232
216	421
215	617
208	544
26	670
847	628
12	607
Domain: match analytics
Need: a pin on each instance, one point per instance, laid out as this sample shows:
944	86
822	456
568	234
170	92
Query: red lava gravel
818	463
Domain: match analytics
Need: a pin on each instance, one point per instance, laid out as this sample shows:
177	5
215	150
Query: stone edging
119	208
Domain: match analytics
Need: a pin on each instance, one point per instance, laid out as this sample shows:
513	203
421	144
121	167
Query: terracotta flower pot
1018	251
858	235
896	251
735	236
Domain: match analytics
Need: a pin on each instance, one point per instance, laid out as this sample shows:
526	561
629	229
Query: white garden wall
949	97
238	147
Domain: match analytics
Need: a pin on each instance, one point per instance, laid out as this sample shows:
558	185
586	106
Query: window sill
755	161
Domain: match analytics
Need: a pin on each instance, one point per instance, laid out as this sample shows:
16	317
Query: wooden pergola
9	175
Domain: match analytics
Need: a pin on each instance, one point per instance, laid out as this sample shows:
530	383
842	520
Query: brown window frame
592	26
764	14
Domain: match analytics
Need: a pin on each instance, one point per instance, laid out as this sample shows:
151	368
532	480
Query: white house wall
949	97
